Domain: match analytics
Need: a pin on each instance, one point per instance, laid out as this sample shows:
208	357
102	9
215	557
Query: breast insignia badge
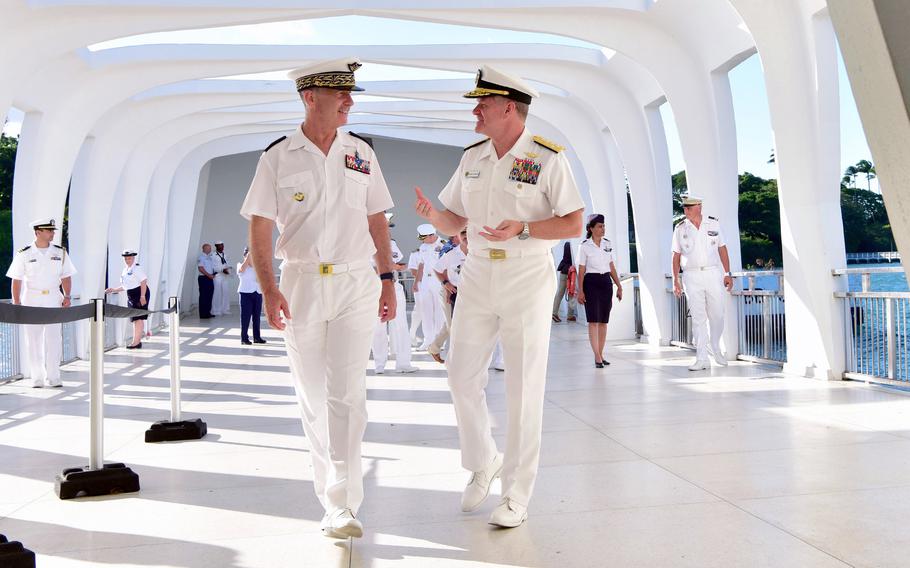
298	196
525	170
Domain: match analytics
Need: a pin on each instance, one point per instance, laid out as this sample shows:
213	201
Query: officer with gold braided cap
325	192
516	194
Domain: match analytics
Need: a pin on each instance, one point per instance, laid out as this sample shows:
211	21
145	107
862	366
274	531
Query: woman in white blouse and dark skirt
596	275
134	280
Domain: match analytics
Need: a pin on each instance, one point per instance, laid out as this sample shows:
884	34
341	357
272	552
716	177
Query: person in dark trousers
206	279
563	272
250	300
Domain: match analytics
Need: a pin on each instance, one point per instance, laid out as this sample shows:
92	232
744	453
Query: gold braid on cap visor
331	80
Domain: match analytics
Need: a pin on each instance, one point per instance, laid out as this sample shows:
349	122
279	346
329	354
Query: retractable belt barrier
99	478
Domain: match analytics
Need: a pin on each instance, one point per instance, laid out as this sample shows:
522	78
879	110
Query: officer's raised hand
423	206
503	232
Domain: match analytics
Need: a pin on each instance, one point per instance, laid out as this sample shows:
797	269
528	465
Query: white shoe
379	371
34	383
478	487
719	358
406	370
699	365
508	514
341	523
55	383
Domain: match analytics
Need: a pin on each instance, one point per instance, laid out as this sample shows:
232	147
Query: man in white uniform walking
700	250
516	193
431	316
325	192
38	272
221	299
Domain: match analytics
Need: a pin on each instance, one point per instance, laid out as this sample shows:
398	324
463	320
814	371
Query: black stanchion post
14	555
175	428
97	478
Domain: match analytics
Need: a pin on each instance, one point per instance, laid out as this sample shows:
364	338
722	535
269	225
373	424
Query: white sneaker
478	487
405	370
341	523
719	358
699	365
508	514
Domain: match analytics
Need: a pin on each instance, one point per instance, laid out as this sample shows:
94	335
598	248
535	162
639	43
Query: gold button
519	186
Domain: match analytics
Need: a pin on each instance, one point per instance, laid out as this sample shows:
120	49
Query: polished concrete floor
643	464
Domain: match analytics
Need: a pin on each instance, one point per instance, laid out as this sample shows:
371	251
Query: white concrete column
798	55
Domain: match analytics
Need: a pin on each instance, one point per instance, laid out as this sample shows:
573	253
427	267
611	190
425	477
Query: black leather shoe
245	342
137	346
260	340
598	365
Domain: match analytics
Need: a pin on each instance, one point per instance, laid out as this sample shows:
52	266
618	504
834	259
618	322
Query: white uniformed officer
221	299
431	316
325	192
700	250
416	318
448	271
516	193
39	271
394	333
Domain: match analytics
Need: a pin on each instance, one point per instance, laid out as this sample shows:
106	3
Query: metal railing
70	331
878	329
407	280
9	351
760	316
636	297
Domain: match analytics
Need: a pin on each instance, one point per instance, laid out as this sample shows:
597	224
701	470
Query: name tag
33	260
472	175
712	233
56	258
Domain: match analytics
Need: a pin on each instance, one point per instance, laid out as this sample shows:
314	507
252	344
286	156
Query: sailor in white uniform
39	271
324	191
393	335
699	249
431	316
221	299
516	194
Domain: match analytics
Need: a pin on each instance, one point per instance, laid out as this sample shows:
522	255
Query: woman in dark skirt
596	275
135	282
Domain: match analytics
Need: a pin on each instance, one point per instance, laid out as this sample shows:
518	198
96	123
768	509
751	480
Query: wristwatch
525	232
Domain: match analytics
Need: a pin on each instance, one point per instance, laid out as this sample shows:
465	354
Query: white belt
326	268
502	254
39	291
712	267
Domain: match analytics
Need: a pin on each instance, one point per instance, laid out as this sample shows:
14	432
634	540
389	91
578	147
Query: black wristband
387	276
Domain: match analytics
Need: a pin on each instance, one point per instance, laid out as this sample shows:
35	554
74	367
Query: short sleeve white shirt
698	246
206	262
529	183
41	269
249	282
319	202
132	276
596	259
451	263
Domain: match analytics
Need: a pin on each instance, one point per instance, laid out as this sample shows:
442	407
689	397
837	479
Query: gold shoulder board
549	145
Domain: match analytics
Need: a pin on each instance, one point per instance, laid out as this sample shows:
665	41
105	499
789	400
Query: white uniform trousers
221	299
431	311
705	297
328	342
512	299
416	316
43	343
393	336
443	335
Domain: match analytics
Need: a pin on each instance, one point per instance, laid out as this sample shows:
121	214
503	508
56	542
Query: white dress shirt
132	276
320	203
698	246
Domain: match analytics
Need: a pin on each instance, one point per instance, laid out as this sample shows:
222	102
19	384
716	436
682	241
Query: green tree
866	168
8	147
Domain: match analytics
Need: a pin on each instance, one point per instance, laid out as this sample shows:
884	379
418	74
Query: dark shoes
570	318
245	342
556	318
259	340
137	346
248	342
598	365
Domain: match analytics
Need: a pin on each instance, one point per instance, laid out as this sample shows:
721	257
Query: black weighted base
165	431
114	478
14	555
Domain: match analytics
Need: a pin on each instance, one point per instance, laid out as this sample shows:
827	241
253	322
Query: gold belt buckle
45	292
497	254
325	269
